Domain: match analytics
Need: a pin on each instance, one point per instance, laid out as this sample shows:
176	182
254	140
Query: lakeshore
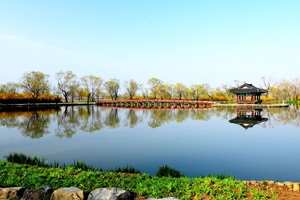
21	180
251	105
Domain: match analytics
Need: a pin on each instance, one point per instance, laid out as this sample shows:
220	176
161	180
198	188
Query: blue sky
187	41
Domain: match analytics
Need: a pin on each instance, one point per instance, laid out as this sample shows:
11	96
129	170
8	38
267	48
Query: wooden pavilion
248	94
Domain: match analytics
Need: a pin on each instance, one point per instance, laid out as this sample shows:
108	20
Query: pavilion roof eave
247	88
245	91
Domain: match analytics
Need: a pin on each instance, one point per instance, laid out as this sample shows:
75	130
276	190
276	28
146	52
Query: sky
186	41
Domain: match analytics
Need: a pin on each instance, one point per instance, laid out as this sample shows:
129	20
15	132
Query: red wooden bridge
156	103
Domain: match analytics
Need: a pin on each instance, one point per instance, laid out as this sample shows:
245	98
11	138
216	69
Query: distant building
247	94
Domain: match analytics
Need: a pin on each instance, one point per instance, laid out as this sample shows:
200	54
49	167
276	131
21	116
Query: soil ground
274	191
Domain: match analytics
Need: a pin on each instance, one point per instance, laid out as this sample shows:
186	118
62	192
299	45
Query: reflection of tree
158	117
112	119
283	116
92	119
181	115
203	115
67	122
35	123
131	119
35	126
224	113
9	122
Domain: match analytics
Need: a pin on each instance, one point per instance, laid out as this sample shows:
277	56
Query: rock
71	193
289	185
37	194
110	194
270	183
296	187
253	182
11	193
280	184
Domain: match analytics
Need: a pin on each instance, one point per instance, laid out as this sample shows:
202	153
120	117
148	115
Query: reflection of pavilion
248	117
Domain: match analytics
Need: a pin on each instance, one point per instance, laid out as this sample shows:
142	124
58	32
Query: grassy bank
36	175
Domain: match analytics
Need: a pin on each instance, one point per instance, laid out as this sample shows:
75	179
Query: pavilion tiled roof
247	88
246	122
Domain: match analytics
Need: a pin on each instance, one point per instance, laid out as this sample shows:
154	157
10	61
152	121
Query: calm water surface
248	144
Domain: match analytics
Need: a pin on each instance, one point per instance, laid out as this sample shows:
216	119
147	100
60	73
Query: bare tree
268	83
144	91
65	81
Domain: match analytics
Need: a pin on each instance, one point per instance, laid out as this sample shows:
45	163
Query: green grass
37	173
12	174
293	102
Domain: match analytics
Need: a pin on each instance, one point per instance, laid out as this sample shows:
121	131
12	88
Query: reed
167	171
21	158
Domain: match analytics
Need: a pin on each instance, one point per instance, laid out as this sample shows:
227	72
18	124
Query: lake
246	143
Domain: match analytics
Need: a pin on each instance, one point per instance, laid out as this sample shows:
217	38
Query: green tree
154	84
295	88
35	83
131	88
91	84
207	91
180	91
9	89
112	87
164	91
196	91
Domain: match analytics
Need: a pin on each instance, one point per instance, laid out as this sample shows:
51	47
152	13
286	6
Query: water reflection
248	117
33	123
132	119
112	119
68	120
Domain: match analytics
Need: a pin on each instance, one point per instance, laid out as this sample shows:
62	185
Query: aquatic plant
24	159
127	169
165	170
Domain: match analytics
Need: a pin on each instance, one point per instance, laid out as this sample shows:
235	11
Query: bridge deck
154	103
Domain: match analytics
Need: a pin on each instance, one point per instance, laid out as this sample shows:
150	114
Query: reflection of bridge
156	103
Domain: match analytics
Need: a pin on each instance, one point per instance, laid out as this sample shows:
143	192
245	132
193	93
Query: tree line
34	86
